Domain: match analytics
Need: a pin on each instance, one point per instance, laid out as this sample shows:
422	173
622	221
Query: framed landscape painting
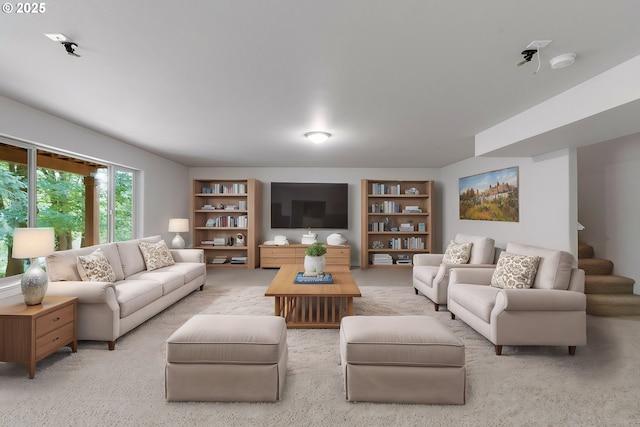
490	196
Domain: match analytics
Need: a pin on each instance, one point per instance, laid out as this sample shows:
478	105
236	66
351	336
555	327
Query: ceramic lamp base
34	284
177	242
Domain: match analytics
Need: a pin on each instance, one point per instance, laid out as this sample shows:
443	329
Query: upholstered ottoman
227	358
401	359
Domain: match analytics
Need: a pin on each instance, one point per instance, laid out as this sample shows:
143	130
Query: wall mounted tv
309	205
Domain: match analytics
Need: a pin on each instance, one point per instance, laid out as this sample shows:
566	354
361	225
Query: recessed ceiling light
317	136
563	60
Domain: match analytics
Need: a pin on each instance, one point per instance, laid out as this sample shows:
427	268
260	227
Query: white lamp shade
33	242
179	225
317	136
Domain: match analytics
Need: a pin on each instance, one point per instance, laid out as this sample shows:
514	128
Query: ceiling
237	83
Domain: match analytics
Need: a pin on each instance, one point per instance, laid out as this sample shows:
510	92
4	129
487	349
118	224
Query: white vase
314	264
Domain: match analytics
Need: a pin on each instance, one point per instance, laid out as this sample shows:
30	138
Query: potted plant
314	261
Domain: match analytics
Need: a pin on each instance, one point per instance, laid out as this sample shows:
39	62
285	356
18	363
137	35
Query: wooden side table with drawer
29	333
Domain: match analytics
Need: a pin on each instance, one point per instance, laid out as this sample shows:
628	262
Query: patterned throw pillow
156	255
457	253
515	271
95	267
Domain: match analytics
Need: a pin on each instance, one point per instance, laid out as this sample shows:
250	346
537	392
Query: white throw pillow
95	267
515	271
156	255
457	253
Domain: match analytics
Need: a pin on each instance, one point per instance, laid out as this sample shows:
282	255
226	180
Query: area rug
525	386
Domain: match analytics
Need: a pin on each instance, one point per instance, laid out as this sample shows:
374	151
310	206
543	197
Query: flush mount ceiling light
317	136
563	60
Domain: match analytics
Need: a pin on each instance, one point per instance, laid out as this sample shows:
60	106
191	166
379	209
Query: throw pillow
457	253
95	267
515	271
156	255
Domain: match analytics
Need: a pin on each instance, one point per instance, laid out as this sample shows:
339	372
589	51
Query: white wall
547	201
162	185
609	202
352	176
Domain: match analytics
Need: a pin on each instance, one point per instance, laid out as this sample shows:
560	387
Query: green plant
316	249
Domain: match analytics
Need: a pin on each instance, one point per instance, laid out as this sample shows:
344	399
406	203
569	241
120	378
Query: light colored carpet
525	386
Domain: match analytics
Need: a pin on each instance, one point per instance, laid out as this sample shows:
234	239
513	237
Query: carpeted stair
607	293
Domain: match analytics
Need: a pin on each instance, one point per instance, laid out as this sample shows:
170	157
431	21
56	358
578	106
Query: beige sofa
107	311
551	312
431	276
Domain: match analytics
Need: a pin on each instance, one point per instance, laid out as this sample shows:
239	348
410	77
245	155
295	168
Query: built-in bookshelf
396	222
226	221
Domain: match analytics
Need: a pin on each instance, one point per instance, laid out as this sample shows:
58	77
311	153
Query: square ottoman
401	359
227	358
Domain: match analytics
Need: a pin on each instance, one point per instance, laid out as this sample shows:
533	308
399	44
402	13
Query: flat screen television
309	205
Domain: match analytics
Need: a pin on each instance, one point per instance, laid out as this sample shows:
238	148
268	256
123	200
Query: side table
28	334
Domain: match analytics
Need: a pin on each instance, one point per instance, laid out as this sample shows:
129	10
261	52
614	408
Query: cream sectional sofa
107	310
550	313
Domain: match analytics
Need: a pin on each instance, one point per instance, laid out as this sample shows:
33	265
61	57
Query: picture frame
490	196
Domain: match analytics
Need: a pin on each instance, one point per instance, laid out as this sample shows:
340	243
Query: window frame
8	285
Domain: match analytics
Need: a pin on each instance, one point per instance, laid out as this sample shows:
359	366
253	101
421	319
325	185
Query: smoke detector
563	60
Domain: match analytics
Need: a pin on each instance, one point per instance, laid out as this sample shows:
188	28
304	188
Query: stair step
609	284
613	305
585	251
596	266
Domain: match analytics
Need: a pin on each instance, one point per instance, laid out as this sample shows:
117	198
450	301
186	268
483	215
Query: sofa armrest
87	292
541	300
187	255
428	259
472	274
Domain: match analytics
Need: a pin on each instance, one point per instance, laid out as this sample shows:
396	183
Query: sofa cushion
190	270
170	280
63	265
95	267
132	295
478	299
554	269
482	251
515	271
156	255
457	253
131	257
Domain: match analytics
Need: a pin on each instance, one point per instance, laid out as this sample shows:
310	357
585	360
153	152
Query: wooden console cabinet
273	256
29	333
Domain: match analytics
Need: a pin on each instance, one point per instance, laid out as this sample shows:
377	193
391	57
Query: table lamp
33	243
178	225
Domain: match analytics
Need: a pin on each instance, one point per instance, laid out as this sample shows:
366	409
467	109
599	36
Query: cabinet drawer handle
56	319
55	339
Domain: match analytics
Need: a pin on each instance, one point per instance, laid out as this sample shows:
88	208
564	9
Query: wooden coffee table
313	306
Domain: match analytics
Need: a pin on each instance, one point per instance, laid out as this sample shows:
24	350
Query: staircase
607	294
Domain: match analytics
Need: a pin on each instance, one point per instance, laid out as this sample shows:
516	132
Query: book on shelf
238	260
219	259
412	209
382	259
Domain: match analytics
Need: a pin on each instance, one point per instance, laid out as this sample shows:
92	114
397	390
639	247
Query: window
86	202
14	183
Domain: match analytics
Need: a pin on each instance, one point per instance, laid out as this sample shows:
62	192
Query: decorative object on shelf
33	243
178	225
309	238
412	190
240	239
336	239
387	224
377	244
210	222
314	261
